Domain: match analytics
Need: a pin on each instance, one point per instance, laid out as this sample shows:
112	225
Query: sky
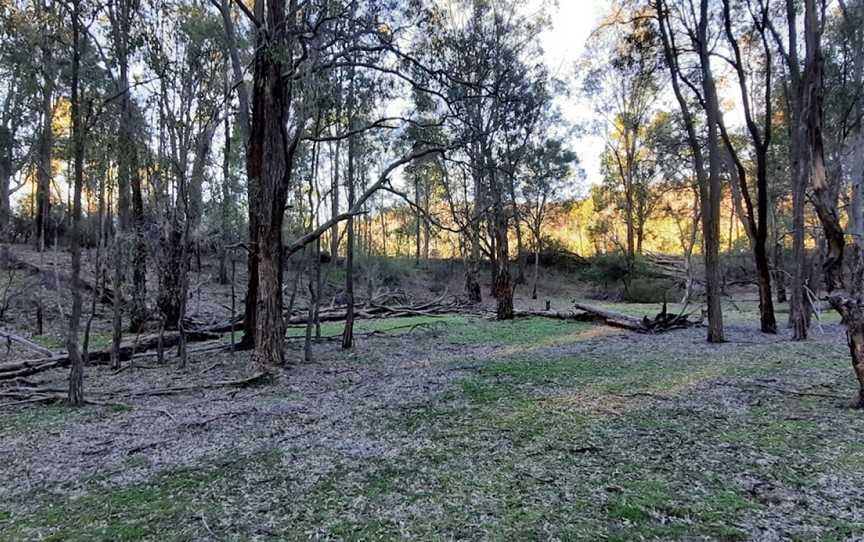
563	45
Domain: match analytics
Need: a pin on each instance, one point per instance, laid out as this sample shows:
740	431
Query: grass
468	331
98	341
50	417
541	440
523	331
147	511
390	326
738	312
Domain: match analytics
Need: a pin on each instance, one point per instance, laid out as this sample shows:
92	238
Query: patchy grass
470	331
390	326
50	417
159	509
57	343
551	432
737	312
527	332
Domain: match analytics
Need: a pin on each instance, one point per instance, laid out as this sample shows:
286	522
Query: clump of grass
163	508
521	331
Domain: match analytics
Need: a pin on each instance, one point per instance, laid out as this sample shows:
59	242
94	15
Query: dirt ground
458	428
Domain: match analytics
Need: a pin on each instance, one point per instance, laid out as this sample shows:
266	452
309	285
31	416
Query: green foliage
650	290
611	268
390	272
637	285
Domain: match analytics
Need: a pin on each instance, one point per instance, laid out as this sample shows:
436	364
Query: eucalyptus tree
83	92
548	168
626	81
845	132
235	38
847	116
748	38
292	46
844	126
804	83
188	96
125	39
425	177
677	21
49	28
124	35
19	103
485	53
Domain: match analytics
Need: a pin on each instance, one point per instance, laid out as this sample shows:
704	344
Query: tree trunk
168	299
46	145
709	182
6	145
348	332
270	331
76	372
767	321
629	221
427	226
334	204
799	314
856	169
417	219
852	312
226	203
824	199
536	264
138	310
501	286
195	187
244	126
517	223
268	171
856	219
710	191
117	303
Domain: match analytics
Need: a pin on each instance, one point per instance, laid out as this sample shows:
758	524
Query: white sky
563	44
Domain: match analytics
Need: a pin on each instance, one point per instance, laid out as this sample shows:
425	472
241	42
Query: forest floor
461	428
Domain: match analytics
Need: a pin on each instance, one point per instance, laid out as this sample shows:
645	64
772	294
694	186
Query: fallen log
338	314
664	321
49	395
127	350
610	318
25	342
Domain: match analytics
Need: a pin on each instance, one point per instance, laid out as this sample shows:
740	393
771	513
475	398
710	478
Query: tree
494	93
548	165
122	14
708	179
44	172
626	89
19	95
755	222
76	371
846	64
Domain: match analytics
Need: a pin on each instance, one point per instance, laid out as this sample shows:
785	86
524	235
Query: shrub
607	269
650	290
389	272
